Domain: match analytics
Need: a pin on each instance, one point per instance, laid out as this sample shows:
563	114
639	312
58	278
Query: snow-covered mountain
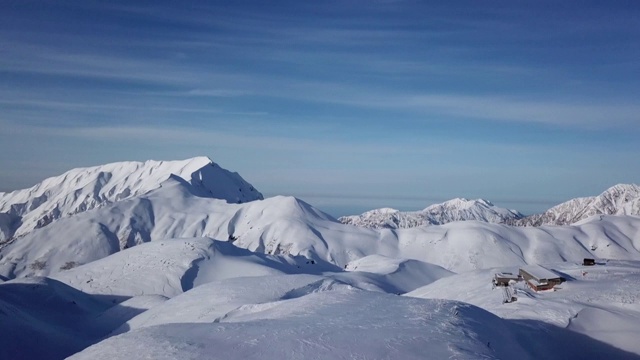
177	268
459	209
286	225
83	189
621	199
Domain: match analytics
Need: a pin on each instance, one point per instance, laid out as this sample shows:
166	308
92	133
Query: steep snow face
459	209
82	189
622	199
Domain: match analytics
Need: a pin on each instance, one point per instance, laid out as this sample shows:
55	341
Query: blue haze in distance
349	105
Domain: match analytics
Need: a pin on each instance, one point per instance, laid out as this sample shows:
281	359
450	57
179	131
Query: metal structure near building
503	279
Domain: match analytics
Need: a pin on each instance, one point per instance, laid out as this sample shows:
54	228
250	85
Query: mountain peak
620	199
458	209
622	188
83	189
464	203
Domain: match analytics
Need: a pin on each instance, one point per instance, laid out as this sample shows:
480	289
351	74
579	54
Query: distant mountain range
168	253
90	213
453	210
622	199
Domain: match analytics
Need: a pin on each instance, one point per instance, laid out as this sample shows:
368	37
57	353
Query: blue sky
349	105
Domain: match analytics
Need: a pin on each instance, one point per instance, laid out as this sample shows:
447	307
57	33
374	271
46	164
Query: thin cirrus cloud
399	92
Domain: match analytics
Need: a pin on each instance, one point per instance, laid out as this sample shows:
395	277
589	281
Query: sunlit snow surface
177	269
341	323
245	305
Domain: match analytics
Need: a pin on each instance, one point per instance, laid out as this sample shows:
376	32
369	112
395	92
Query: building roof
539	272
506	276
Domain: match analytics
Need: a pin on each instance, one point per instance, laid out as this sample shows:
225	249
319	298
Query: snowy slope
323	315
285	225
175	267
43	318
82	189
338	322
453	210
170	267
218	280
403	274
622	199
601	302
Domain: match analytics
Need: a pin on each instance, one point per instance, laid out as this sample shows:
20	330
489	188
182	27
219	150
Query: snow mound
223	296
82	189
401	274
612	326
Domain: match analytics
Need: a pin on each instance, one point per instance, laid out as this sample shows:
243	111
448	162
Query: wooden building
540	278
589	262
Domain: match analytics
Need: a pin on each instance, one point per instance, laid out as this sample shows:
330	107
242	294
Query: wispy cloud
501	108
176	135
218	92
335	95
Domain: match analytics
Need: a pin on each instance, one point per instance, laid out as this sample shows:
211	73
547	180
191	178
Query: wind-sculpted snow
622	199
336	323
83	189
438	214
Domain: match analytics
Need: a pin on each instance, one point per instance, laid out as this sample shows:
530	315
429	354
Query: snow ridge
83	189
621	199
458	209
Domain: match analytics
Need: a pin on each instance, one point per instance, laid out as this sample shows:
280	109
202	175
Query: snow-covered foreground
203	299
338	322
601	302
